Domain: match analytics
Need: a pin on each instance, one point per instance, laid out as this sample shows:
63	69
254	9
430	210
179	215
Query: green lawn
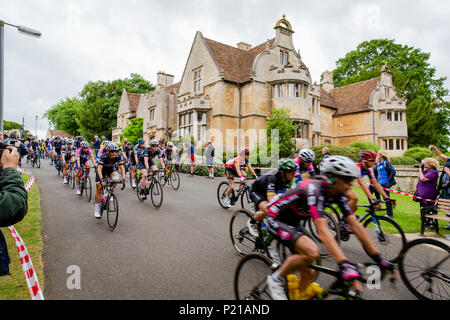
403	213
14	287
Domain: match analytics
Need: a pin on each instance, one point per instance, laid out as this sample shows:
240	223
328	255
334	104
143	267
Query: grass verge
14	287
403	212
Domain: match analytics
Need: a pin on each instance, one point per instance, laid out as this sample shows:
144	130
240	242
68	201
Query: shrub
352	153
403	161
365	146
418	153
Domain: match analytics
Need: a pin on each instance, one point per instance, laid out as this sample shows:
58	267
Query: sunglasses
347	180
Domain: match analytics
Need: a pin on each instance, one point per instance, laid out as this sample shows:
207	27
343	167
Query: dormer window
197	80
284	57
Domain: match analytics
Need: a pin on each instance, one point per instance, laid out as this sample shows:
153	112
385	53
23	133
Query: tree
11	125
414	80
134	130
280	120
94	111
63	115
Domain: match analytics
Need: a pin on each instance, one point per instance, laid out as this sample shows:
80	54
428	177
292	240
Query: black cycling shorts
231	173
106	172
286	234
256	198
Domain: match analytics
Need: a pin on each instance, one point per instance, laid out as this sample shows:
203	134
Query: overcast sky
106	40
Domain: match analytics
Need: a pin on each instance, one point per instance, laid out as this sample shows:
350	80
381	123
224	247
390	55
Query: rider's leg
352	199
262	212
143	182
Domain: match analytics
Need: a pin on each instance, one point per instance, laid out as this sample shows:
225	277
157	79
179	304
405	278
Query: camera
419	165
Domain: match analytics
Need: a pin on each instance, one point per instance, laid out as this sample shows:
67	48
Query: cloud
104	40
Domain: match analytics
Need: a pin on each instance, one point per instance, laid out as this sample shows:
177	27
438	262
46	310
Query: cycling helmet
57	139
170	144
141	141
113	147
287	164
154	142
307	155
84	144
129	144
368	155
80	138
339	166
69	141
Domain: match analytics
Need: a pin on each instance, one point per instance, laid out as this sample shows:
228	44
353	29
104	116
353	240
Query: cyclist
83	154
68	152
264	189
142	159
233	168
307	200
77	142
110	159
56	148
170	154
365	166
305	163
35	147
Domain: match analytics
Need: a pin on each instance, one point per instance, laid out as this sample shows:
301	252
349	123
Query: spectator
5	134
209	155
13	199
325	154
102	144
385	173
426	186
22	148
444	181
189	149
96	145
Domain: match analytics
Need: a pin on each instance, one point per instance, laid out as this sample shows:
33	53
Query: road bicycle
109	203
385	233
424	266
169	176
244	242
36	160
85	185
58	166
250	279
155	189
70	173
241	192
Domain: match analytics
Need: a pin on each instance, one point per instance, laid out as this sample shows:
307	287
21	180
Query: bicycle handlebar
374	203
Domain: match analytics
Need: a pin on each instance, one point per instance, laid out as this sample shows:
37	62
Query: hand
242	179
10	159
389	268
431	147
350	273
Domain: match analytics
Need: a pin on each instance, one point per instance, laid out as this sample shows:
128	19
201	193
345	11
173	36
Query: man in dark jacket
13	199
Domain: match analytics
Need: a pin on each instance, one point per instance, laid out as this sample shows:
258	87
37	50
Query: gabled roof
59	133
351	98
235	63
174	87
326	99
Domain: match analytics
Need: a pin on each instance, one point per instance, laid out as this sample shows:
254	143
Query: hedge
365	146
352	153
418	153
403	161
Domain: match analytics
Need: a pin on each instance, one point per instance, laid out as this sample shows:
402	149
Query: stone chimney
244	46
386	75
327	82
164	79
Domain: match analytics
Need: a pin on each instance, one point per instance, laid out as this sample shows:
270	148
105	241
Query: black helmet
141	141
287	164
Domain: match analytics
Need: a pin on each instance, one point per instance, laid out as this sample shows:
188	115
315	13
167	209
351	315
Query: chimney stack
244	46
327	82
164	79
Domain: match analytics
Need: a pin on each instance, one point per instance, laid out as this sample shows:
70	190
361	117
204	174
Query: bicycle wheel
333	227
73	177
138	192
81	187
387	236
174	180
250	277
38	162
221	189
246	202
241	238
162	178
112	211
424	266
88	189
156	194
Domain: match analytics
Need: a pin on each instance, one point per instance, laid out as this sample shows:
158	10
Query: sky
105	40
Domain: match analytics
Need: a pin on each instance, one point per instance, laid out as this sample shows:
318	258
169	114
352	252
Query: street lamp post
22	29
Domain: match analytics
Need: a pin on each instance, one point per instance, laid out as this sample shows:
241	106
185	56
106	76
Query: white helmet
339	166
307	155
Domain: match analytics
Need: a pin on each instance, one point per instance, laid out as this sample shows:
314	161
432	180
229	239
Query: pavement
181	251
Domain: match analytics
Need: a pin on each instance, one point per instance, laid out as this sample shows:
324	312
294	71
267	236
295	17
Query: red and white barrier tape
405	194
212	165
27	266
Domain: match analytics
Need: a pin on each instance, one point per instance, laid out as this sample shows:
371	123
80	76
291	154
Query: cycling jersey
140	152
307	199
34	145
127	150
106	161
365	172
68	152
266	185
302	169
57	147
169	155
83	155
231	164
76	144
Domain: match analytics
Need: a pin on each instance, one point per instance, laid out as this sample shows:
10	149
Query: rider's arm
146	162
328	240
99	172
238	169
249	166
364	187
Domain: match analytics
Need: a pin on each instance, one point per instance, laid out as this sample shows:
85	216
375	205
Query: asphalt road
181	251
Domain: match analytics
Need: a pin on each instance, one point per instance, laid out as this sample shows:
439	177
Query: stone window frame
284	57
202	125
281	90
197	75
185	124
303	129
151	114
394	143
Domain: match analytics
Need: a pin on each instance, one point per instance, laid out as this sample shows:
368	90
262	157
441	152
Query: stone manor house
226	87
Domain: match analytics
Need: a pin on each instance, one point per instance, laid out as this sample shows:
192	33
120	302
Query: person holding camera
13	198
444	181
